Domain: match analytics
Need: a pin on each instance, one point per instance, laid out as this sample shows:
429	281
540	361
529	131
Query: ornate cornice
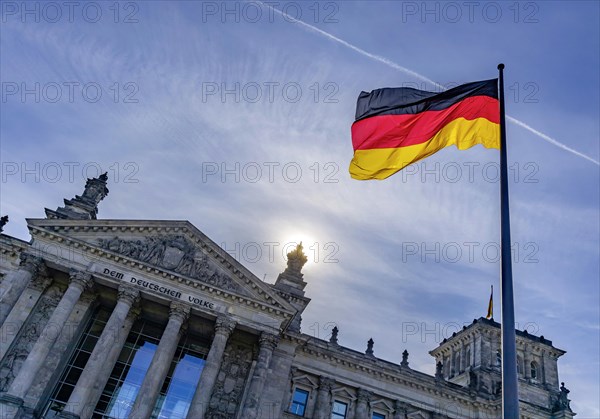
385	371
11	247
484	327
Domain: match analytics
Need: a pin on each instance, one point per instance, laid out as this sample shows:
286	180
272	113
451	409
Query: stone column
477	353
17	281
267	344
161	361
472	357
21	310
36	358
47	376
97	370
223	328
527	362
543	367
279	396
323	403
362	403
399	410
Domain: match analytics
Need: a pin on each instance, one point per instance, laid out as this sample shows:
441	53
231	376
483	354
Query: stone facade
146	319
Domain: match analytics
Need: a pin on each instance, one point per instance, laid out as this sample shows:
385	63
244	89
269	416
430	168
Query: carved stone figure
95	189
563	402
296	259
334	335
3	222
404	362
84	207
12	364
175	253
370	344
439	371
30	333
472	379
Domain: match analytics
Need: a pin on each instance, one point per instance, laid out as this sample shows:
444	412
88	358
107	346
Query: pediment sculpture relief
174	253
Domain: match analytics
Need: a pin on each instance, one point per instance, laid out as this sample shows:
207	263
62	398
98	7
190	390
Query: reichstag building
151	319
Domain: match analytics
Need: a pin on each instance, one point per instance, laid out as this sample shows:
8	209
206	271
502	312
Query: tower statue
84	207
290	284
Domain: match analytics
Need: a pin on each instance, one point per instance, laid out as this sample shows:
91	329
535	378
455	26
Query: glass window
339	410
129	371
378	416
299	402
534	370
72	371
178	388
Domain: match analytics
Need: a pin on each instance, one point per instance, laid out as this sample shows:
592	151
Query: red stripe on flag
393	131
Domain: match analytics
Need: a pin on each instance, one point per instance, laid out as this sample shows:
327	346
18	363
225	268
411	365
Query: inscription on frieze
174	253
157	287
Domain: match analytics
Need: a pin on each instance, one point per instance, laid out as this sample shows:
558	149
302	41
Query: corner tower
471	358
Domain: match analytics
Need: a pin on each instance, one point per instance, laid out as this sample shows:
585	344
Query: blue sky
237	118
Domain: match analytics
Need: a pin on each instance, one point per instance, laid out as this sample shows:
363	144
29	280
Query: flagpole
510	394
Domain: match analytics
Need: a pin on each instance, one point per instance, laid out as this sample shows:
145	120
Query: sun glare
311	247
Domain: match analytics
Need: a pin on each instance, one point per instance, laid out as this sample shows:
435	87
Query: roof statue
84	207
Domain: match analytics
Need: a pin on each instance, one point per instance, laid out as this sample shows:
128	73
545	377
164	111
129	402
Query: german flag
395	127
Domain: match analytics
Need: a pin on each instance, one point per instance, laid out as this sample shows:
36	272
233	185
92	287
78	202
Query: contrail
551	140
405	70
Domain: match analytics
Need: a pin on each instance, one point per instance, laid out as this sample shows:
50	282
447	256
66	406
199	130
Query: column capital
33	264
81	279
224	325
363	395
268	340
179	310
129	294
326	383
400	406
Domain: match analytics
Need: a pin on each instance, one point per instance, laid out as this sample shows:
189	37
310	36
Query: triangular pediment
343	392
305	380
173	247
381	405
